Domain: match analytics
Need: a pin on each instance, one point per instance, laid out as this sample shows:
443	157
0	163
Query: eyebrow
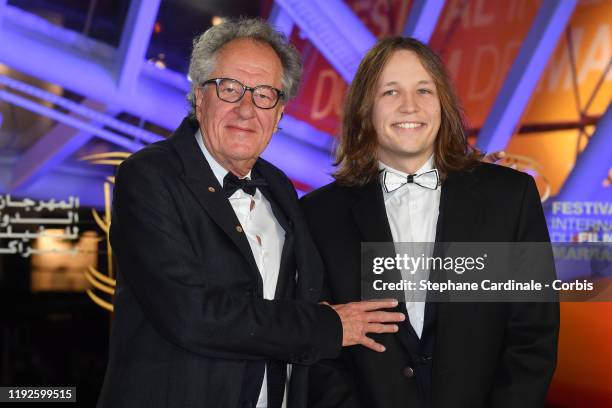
421	82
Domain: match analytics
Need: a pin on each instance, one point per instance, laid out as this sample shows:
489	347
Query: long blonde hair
356	159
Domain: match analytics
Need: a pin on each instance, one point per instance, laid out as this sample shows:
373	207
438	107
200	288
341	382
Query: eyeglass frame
280	94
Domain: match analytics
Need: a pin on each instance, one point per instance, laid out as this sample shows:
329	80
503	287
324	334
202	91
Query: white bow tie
428	179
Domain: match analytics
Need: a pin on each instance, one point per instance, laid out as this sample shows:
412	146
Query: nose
246	107
408	103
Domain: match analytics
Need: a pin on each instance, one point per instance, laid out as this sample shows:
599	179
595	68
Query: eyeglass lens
231	90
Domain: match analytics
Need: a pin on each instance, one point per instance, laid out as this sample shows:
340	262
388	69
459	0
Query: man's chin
410	152
244	158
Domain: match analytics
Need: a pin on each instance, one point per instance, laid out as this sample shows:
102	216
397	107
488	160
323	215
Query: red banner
319	101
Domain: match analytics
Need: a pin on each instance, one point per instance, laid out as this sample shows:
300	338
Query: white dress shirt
412	212
265	235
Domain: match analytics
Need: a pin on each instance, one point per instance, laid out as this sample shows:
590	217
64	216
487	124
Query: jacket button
238	228
408	372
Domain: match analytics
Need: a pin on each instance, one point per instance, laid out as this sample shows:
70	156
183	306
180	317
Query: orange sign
591	41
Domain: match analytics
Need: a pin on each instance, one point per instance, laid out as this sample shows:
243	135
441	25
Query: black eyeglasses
232	91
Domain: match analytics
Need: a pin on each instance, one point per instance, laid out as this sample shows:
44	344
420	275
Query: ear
279	116
199	99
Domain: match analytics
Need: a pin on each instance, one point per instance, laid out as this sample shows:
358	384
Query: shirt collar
428	165
218	170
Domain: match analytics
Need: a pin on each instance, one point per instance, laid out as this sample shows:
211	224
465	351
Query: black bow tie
392	181
231	184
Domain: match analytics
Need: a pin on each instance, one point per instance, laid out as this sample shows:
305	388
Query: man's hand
360	318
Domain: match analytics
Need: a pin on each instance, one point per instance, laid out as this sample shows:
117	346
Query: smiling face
406	113
235	134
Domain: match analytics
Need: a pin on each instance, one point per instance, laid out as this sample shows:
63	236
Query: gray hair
207	45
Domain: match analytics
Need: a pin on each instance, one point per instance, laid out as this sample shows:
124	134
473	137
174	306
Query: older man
218	276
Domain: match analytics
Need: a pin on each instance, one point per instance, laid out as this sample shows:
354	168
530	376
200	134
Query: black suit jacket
189	311
485	354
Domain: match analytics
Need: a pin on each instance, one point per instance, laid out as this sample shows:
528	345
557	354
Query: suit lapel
370	214
371	217
200	180
456	222
458	210
284	212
